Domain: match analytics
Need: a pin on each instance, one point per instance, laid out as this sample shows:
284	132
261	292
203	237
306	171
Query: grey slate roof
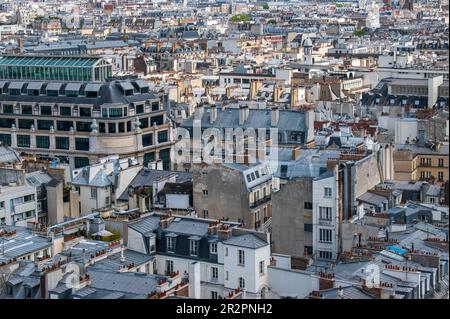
8	155
113	262
123	282
350	292
145	225
257	118
147	176
247	241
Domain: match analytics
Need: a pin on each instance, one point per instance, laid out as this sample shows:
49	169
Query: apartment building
18	199
100	185
221	257
235	192
421	162
51	111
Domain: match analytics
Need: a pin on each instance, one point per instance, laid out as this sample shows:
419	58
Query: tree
359	33
272	21
241	17
265	6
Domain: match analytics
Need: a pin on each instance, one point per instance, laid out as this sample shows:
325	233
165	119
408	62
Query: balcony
260	201
325	222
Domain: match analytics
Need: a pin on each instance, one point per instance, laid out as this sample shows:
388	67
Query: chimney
254	87
294	96
295	152
229	91
213	114
224	232
326	280
421	137
277	90
340	293
122	256
194	280
164	220
275	116
243	114
199	112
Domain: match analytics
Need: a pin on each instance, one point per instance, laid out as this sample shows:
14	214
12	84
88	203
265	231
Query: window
226	251
170	244
214	294
205	192
85	111
241	257
307	227
25	123
214	273
64	125
121	127
83	126
205	213
144	122
169	267
149	157
325	235
284	169
226	275
440	176
44	124
155	106
81	162
8	109
139	109
261	267
62	142
325	213
115	112
82	144
46	110
307	205
7	122
162	137
327	192
147	139
42	141
111	127
23	140
441	162
241	283
325	254
213	248
193	247
157	120
5	139
65	111
27	109
2	205
93	192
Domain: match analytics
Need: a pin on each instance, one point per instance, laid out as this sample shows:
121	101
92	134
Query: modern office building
59	68
49	110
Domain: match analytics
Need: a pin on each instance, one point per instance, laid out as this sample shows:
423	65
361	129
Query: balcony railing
325	222
260	201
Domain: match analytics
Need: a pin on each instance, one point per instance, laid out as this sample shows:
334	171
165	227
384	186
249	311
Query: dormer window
170	243
194	243
213	248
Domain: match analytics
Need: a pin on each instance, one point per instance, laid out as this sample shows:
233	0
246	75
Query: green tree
241	17
265	6
359	33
